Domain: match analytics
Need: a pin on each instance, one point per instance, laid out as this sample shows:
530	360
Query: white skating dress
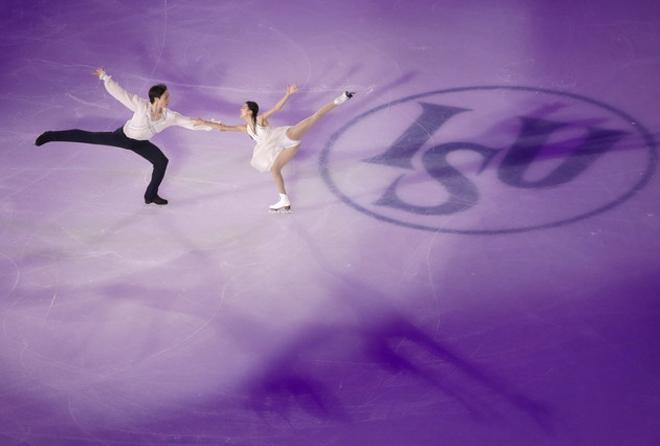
270	141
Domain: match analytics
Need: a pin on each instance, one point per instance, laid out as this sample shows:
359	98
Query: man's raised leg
116	138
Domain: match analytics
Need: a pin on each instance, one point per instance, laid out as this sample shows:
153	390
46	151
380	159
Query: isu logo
488	160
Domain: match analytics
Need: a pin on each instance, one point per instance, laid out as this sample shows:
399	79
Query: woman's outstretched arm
220	126
291	89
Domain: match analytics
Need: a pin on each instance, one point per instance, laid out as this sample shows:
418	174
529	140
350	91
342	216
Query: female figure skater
275	146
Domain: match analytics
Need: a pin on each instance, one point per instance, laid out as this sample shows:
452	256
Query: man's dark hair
157	91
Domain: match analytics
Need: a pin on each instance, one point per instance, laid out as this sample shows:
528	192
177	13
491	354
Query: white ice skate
281	207
345	96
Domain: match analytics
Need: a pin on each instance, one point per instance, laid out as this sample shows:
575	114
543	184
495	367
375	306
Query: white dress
270	141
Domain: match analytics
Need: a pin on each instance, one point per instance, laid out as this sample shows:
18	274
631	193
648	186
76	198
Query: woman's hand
209	122
291	89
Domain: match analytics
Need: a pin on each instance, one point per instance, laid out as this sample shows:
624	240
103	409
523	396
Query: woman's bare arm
220	126
291	89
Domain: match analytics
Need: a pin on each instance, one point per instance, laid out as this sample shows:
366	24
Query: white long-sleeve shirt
141	126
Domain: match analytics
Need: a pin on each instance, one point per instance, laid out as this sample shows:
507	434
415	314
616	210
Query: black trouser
117	138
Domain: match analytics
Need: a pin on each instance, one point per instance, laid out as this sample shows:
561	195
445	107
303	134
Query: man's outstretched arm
189	123
129	100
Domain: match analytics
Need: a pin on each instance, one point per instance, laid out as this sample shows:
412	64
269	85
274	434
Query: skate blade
284	210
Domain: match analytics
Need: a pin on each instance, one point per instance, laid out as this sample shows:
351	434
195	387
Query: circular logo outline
646	177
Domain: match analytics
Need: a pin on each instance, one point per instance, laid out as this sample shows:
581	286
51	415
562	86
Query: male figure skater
149	118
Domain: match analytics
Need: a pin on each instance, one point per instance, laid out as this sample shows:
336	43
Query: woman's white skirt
266	152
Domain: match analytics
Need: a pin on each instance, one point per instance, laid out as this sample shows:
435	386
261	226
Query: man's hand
208	122
100	72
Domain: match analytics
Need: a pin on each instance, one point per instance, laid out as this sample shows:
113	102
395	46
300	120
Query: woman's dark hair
157	91
254	107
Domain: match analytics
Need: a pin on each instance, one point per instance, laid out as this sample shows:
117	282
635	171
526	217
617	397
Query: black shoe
155	200
43	139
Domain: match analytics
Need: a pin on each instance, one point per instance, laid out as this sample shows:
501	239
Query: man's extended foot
43	139
155	200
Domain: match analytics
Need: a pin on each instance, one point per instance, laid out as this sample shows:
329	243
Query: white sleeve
129	100
186	122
